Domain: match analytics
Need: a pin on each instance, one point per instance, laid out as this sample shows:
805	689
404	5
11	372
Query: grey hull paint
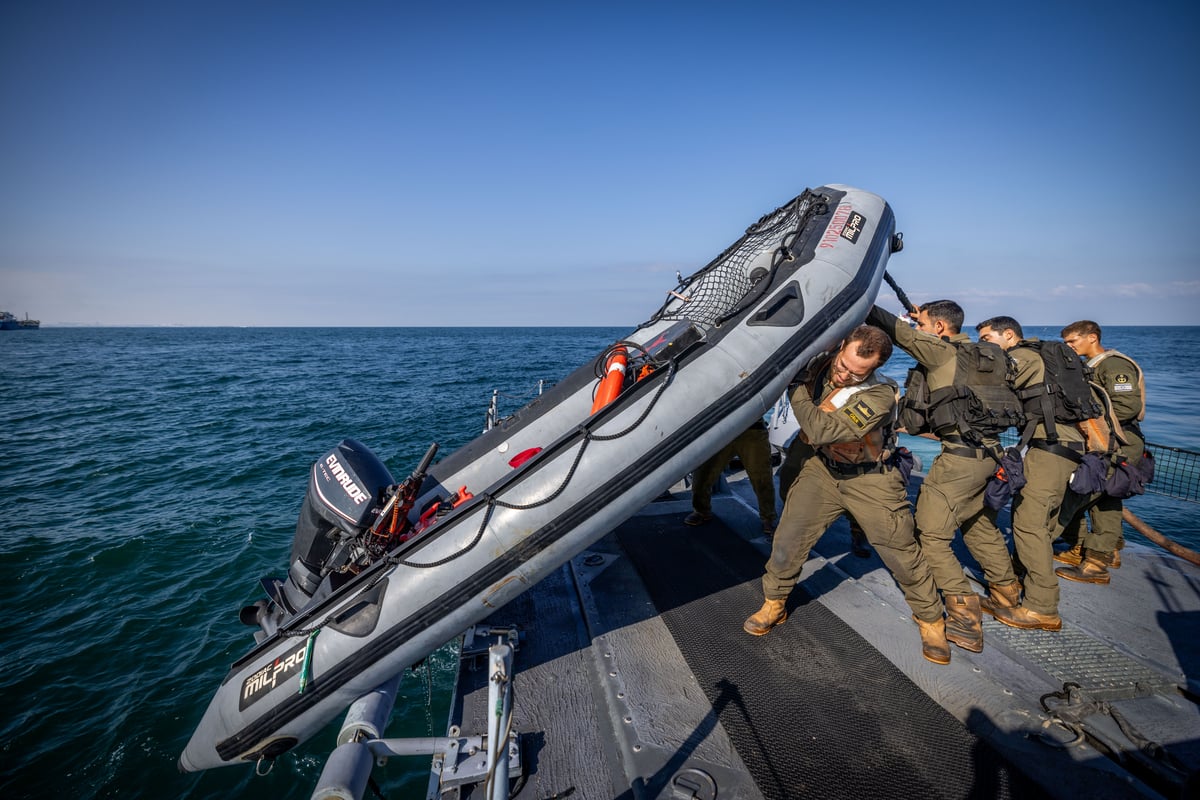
717	390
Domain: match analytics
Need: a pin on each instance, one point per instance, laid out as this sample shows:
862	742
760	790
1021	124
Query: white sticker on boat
264	680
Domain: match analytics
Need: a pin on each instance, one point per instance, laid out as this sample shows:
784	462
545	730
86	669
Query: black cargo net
1176	473
719	290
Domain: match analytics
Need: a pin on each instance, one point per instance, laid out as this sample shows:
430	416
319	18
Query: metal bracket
464	761
477	640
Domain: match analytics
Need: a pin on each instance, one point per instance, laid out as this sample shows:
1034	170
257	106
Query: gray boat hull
816	279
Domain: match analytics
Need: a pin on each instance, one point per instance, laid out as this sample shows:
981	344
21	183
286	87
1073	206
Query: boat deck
634	679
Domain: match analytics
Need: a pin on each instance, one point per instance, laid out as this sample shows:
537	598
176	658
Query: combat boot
771	614
1072	556
964	621
934	646
1022	617
1116	560
1093	568
1006	595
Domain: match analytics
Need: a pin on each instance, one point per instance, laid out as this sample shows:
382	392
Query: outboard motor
346	488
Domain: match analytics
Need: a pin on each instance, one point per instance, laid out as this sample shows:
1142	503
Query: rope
1171	546
1077	706
494	502
900	295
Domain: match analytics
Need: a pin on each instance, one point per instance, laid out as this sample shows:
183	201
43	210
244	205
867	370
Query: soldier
797	453
847	414
951	496
754	449
1051	458
1095	551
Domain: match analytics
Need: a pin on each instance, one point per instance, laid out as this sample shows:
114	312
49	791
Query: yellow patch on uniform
859	414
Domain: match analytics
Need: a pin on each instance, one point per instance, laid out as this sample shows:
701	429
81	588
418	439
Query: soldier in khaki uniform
951	496
753	447
847	413
798	452
1035	510
1095	551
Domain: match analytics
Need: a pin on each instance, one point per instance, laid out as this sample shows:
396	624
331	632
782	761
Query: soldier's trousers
1035	513
952	498
879	501
753	446
1105	512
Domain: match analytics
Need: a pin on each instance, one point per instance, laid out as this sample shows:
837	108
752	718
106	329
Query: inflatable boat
382	573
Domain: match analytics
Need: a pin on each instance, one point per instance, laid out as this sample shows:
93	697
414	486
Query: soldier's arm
863	413
1029	367
925	348
1118	376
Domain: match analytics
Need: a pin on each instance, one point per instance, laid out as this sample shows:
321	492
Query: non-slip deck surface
813	709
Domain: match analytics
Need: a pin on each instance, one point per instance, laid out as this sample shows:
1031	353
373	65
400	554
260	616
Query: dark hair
1002	324
871	341
1083	327
947	311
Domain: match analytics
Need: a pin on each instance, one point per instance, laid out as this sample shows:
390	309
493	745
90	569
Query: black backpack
1066	393
980	403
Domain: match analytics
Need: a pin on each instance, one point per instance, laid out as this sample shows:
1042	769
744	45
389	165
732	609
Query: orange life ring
614	377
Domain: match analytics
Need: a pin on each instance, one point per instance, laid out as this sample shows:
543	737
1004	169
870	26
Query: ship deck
634	678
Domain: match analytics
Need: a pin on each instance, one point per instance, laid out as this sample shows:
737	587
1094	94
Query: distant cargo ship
10	323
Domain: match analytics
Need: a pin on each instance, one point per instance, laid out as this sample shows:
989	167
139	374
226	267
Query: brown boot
1072	556
964	623
771	614
1006	595
1093	568
1116	560
934	646
1022	617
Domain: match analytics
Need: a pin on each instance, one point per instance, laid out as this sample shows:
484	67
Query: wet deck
608	705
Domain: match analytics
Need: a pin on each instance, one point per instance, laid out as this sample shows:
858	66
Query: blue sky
305	163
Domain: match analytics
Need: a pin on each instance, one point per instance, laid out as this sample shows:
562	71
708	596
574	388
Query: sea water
151	476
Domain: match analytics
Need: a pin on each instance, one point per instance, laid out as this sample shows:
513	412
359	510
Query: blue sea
151	476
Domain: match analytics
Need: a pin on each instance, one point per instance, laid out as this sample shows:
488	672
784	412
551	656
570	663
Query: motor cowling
345	491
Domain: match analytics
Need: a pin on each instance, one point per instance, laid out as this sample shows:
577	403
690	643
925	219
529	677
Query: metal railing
1176	472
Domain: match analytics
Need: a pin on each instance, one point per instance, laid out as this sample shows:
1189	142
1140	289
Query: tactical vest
871	448
1105	432
1066	394
979	403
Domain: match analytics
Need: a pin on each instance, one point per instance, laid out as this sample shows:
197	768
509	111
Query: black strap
966	452
1068	451
844	469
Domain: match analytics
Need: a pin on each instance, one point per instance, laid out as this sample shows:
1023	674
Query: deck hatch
1071	655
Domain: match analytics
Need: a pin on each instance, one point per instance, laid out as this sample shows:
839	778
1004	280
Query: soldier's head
1004	331
940	317
863	351
1083	337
